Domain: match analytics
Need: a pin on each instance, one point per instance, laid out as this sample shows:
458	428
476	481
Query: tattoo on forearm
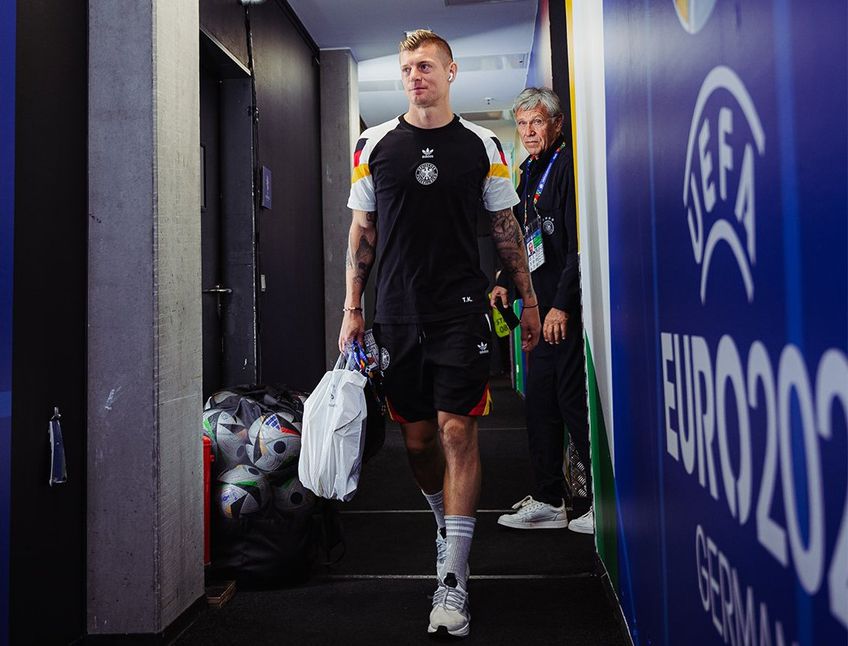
348	258
364	260
360	255
509	243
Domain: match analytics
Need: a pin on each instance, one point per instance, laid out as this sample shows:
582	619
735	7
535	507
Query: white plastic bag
333	435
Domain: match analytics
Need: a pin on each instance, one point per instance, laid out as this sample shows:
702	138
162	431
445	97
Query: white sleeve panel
362	195
498	191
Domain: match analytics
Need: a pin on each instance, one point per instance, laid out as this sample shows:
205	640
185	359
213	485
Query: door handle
218	290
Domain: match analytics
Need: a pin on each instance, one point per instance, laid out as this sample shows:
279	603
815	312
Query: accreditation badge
533	242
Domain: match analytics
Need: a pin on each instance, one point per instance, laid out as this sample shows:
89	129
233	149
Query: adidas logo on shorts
483	347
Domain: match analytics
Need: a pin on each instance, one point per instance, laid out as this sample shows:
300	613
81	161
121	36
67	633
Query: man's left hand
530	328
555	326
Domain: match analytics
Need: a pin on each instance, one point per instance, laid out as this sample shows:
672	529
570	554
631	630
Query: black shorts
430	367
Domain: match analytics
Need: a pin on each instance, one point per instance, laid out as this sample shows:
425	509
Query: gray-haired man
556	378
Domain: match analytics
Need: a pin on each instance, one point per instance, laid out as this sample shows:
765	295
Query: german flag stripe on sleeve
362	196
357	153
499	170
498	191
359	171
500	150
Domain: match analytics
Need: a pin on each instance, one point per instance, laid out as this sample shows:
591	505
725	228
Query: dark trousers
556	400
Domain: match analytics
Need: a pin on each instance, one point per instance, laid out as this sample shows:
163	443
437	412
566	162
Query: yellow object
501	328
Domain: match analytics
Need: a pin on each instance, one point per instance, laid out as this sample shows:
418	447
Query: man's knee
421	441
459	435
420	447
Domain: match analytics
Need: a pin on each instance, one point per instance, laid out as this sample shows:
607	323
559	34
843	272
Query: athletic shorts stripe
483	407
393	414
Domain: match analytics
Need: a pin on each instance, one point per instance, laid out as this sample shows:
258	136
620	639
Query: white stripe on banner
475	577
590	150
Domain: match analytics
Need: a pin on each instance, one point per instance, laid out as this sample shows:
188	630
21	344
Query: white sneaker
585	524
450	614
533	514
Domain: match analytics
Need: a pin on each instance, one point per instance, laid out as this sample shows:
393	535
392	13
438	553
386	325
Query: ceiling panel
491	41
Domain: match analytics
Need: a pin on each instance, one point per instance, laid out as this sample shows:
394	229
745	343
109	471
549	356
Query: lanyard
541	185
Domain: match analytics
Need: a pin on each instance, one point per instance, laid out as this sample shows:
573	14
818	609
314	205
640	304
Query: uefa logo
726	140
694	14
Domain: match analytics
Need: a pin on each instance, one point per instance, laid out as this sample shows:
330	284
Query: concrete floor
530	587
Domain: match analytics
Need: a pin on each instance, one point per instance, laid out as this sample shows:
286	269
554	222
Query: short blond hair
420	37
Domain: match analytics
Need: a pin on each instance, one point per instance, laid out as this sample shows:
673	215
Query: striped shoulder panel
365	146
498	166
498	191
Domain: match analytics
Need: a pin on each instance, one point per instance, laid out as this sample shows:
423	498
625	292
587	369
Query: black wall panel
49	309
224	19
290	233
559	63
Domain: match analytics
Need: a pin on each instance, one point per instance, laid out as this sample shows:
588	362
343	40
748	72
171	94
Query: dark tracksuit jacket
556	377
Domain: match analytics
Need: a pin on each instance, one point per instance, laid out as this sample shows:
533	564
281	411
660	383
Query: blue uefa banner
727	175
7	206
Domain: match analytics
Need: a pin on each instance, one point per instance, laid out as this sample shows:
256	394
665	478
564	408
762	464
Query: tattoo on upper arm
371	216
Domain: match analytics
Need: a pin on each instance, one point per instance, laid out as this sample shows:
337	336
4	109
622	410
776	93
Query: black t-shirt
557	281
428	187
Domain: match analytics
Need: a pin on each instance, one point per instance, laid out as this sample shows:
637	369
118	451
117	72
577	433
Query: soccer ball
293	420
210	427
290	495
248	411
224	399
231	438
272	444
242	491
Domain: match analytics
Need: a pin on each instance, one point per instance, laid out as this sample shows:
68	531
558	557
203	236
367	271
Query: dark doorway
48	523
227	224
215	293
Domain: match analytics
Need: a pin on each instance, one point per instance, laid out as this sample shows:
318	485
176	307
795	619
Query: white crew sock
437	504
460	531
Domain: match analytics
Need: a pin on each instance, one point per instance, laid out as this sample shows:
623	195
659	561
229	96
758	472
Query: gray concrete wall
145	532
339	132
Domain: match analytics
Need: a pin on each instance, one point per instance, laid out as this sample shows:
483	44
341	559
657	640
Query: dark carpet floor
527	587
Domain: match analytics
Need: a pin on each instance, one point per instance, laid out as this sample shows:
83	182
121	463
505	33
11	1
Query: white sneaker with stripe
534	514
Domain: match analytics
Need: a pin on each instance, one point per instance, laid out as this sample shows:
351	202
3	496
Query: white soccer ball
241	491
290	495
273	444
224	399
231	438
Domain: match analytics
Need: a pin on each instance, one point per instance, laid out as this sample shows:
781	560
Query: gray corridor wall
290	233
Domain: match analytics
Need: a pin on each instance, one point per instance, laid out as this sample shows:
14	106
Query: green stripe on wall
606	524
518	359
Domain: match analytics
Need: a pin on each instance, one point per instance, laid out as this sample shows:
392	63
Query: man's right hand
499	294
353	327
